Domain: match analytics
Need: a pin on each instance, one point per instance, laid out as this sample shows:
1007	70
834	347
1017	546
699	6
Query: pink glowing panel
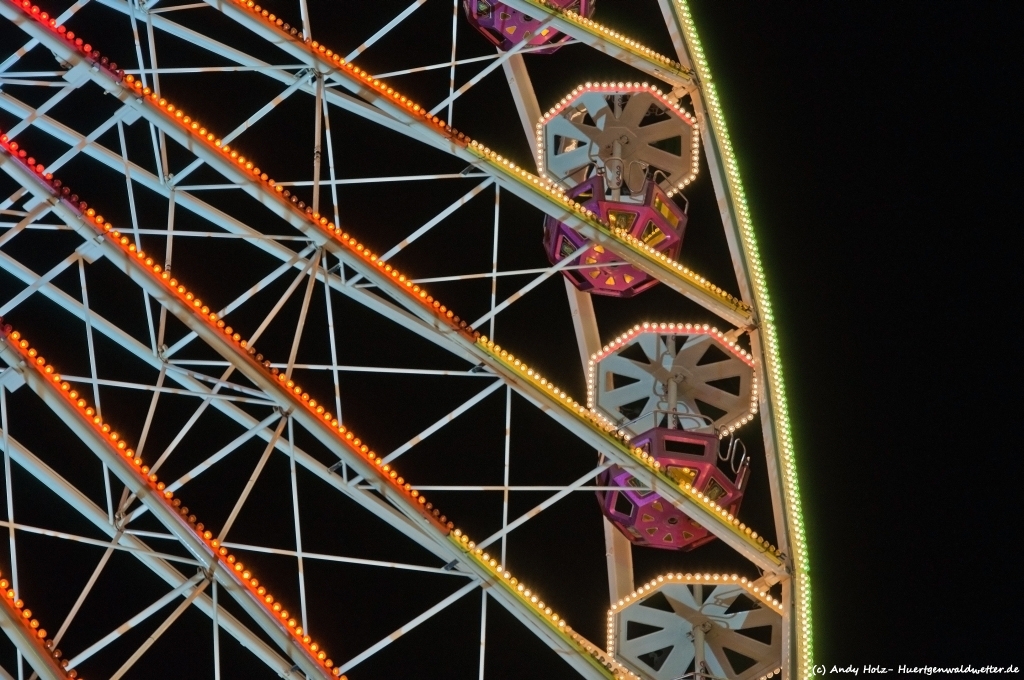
507	27
649	520
657	221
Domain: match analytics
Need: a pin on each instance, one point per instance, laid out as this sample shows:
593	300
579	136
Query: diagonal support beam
540	393
402	16
92	513
589	660
611	42
148	494
535	191
443	604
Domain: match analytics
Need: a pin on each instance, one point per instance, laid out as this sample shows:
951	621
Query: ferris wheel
430	339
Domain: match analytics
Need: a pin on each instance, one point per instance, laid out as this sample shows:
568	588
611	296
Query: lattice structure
183	183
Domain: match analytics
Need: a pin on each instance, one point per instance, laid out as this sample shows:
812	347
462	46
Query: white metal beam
609	41
68	493
28	645
164	513
373	649
309	421
399	119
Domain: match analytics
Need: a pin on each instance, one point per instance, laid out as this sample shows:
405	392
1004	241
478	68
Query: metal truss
554	407
313	264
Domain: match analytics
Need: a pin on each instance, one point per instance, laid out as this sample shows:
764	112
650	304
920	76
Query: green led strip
776	386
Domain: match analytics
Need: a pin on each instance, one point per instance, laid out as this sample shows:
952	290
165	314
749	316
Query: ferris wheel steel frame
171	521
690	76
533	394
554	407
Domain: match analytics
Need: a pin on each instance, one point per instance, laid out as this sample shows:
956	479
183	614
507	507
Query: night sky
882	167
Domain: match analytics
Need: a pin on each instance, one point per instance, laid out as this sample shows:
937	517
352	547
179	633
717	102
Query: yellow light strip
545	187
620	440
690	329
604	660
624	42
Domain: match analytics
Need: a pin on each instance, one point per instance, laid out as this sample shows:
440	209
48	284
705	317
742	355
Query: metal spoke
451	72
297	523
87	589
451	599
458	62
483	631
441	422
562	264
27	220
249	122
85	540
42	109
186	603
448	101
331	340
505	530
302	313
505	475
42	280
113	635
230	521
8	484
346	560
402	16
437	219
259	286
